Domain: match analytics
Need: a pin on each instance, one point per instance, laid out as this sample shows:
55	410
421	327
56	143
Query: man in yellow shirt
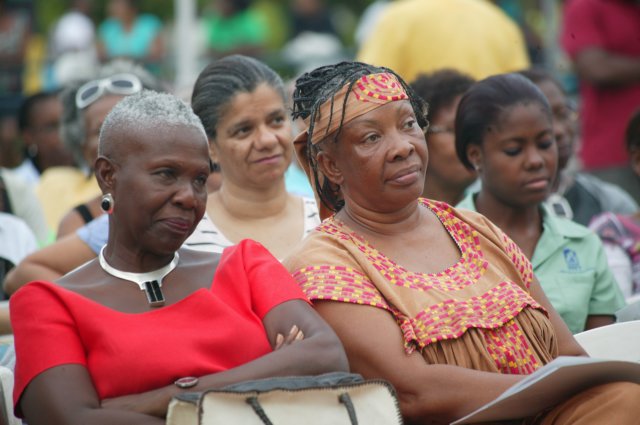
420	36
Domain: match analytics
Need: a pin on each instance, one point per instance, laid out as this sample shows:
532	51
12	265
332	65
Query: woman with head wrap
440	302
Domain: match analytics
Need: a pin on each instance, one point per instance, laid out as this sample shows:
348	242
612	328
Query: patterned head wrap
367	93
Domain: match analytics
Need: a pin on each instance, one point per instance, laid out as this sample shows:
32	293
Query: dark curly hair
316	87
439	89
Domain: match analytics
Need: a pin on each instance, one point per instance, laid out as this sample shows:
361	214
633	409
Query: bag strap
257	408
344	398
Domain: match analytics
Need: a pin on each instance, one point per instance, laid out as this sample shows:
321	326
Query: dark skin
379	162
517	162
607	69
164	174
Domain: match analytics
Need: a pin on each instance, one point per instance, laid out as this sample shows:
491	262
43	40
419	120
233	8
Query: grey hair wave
145	111
72	123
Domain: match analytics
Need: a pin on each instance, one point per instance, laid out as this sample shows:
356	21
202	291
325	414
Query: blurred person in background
11	147
131	34
70	195
15	30
471	36
314	39
621	232
602	38
72	44
576	195
310	16
18	198
504	131
446	177
234	27
39	123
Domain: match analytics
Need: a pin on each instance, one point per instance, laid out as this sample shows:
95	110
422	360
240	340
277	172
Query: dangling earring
107	203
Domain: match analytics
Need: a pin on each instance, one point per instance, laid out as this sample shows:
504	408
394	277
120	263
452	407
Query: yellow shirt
61	189
422	36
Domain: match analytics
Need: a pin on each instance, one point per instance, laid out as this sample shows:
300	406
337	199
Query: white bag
329	399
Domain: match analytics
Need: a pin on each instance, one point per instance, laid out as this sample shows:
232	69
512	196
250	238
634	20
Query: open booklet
551	384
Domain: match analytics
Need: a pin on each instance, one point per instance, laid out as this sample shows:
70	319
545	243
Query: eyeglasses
124	84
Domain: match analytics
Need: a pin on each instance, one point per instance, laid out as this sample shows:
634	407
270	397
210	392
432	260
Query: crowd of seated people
446	248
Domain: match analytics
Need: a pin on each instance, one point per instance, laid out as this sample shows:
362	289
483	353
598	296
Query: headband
367	93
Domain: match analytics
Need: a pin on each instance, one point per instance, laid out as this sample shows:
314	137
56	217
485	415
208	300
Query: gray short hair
145	111
72	125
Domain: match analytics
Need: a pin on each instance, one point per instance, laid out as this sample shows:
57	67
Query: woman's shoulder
324	245
37	292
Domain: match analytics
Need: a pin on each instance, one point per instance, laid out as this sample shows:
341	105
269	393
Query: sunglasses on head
123	84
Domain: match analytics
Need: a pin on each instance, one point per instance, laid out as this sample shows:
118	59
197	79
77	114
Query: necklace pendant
154	293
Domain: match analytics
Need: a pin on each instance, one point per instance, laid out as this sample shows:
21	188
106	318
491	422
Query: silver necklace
149	282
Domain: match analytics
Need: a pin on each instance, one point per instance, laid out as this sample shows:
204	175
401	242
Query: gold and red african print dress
477	313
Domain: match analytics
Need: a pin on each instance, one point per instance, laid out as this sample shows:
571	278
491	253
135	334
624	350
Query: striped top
207	236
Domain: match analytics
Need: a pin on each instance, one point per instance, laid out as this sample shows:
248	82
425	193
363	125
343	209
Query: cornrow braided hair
316	87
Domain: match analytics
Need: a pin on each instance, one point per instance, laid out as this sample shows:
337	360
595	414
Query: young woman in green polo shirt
504	131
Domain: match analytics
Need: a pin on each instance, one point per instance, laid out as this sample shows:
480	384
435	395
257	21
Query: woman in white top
242	104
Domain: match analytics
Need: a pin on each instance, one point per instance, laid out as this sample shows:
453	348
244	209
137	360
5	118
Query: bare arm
5	320
65	395
595	321
49	263
320	351
603	68
71	222
427	393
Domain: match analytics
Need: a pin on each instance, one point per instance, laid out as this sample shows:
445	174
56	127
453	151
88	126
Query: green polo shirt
570	263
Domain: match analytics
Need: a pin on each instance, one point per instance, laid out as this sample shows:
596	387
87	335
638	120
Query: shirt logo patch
571	258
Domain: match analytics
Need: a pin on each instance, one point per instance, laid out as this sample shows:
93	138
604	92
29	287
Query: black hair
27	106
223	79
439	89
632	136
482	105
316	87
539	75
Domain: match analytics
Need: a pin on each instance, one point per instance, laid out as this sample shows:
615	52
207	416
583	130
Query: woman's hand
294	335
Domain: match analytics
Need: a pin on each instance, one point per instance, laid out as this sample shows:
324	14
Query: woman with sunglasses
115	340
69	195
